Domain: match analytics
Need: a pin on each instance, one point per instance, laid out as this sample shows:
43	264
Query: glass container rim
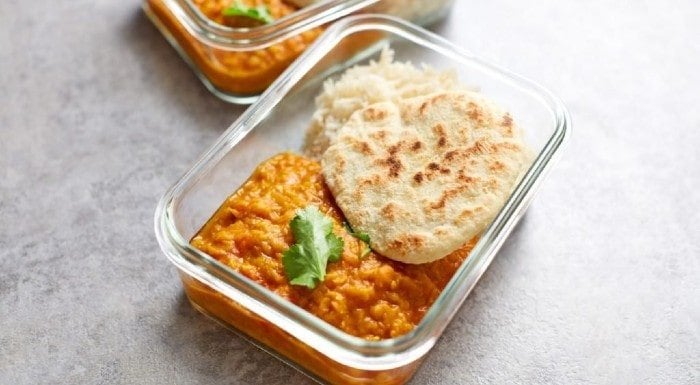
223	37
311	330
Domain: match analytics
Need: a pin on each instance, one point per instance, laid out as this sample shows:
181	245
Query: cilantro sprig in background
306	261
259	13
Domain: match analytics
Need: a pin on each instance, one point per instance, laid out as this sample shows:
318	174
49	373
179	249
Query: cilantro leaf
336	246
305	262
259	13
364	237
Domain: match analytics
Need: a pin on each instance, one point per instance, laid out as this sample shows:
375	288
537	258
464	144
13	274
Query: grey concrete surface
599	284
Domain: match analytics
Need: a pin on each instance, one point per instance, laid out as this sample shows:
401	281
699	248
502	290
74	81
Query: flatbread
424	175
384	80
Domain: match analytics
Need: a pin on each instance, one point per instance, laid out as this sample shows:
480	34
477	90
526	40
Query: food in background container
241	72
239	47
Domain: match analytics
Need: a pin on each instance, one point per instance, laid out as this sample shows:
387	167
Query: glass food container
276	123
237	64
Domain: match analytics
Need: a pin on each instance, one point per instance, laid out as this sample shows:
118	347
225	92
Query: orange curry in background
236	72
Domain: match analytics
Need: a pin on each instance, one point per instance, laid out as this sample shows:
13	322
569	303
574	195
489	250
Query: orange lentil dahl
372	297
236	71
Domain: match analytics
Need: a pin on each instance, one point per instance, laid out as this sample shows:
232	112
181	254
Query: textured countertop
598	284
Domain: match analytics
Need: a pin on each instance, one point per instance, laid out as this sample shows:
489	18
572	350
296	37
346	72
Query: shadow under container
237	64
276	123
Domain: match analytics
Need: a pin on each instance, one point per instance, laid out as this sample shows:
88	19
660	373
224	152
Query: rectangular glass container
237	64
276	123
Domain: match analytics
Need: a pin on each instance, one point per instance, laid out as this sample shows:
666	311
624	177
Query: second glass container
237	64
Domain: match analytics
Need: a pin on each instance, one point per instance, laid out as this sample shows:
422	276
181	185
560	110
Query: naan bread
424	175
385	80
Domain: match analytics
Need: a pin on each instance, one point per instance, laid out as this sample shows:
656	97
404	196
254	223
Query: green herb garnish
364	237
259	13
305	262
